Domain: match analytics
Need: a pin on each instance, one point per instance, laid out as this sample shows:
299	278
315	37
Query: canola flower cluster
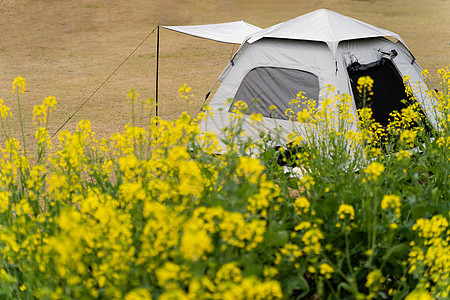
121	218
152	213
430	257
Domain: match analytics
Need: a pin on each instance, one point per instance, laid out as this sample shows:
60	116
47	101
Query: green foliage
155	213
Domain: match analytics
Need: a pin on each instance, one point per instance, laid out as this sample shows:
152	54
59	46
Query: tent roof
233	32
325	26
321	25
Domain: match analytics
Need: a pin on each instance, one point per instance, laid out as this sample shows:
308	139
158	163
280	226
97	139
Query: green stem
46	119
374	231
21	125
132	112
332	289
4	130
41	151
347	256
391	239
338	270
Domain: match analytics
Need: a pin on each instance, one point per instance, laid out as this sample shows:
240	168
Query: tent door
388	89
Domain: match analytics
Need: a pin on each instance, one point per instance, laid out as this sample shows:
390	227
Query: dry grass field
68	48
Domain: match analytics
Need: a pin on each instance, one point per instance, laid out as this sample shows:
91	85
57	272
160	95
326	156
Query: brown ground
68	48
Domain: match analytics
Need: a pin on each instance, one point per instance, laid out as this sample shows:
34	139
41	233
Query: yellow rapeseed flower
4	201
40	112
419	295
20	83
50	102
408	137
307	181
326	270
190	177
132	95
4	110
346	209
374	278
138	294
229	272
393	202
301	205
250	168
403	154
365	84
256	118
431	228
195	242
374	170
311	240
185	92
303	116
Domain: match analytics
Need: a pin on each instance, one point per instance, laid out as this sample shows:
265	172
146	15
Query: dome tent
306	54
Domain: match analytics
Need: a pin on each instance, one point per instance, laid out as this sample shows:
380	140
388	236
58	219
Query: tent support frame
209	93
157	72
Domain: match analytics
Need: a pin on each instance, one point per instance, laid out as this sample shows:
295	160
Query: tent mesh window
269	91
388	88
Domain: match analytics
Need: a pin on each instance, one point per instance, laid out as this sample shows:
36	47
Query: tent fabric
232	32
315	58
270	62
324	26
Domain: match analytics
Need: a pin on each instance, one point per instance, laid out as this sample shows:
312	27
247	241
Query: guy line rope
88	98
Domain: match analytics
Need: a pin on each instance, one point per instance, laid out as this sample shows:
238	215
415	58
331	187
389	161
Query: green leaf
402	294
347	287
395	252
419	211
252	265
291	284
253	269
276	239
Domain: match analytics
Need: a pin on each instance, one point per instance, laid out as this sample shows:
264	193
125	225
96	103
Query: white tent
306	54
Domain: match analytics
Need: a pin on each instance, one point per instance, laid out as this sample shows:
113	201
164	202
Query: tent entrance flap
388	88
232	32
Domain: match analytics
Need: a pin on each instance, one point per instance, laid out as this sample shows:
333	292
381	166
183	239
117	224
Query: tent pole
207	95
157	72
